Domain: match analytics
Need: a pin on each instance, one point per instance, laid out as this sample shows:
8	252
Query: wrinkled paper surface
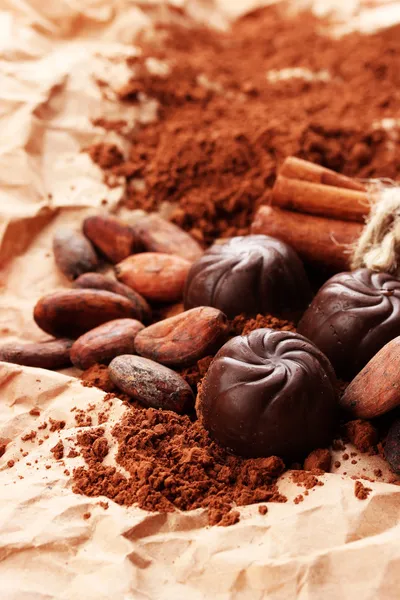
330	546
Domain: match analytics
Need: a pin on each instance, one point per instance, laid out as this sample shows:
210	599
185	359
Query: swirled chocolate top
269	393
250	274
352	317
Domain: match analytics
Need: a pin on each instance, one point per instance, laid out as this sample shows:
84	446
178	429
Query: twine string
378	247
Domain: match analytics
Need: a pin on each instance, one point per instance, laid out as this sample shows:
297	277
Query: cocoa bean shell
51	354
158	277
182	340
101	282
73	253
392	447
73	312
103	343
112	237
158	235
150	383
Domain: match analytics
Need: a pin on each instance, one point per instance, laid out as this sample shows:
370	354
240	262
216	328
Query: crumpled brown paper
330	546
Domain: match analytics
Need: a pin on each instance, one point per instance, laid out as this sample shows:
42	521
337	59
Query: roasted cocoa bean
51	354
115	239
157	277
150	383
103	343
73	253
97	281
73	312
182	340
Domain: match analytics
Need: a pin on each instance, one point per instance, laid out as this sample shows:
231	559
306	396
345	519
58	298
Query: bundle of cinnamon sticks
318	212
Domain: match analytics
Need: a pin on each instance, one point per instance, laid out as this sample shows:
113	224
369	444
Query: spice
172	463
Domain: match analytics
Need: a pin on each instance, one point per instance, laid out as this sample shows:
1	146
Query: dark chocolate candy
352	317
269	393
251	274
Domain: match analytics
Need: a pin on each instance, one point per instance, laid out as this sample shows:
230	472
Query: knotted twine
378	247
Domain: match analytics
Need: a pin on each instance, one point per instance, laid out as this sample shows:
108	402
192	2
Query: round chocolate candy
352	317
251	274
269	393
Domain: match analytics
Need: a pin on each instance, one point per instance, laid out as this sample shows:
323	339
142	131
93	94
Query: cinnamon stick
317	199
297	168
316	239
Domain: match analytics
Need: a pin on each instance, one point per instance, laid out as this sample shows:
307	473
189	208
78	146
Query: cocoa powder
172	463
361	491
362	434
226	120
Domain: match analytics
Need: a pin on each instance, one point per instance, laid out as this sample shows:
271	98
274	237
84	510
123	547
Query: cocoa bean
158	235
97	281
158	277
150	383
376	389
51	354
115	239
182	340
102	344
392	447
73	312
73	253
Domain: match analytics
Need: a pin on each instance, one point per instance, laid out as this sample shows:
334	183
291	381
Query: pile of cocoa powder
226	120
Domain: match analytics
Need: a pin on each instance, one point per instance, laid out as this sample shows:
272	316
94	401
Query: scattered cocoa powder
242	325
58	450
263	509
29	436
86	515
298	499
307	479
56	425
360	491
172	463
362	434
107	155
10	463
194	374
72	453
35	412
82	419
97	376
320	459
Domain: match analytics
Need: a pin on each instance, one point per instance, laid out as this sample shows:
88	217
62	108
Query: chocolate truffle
352	317
251	274
269	393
